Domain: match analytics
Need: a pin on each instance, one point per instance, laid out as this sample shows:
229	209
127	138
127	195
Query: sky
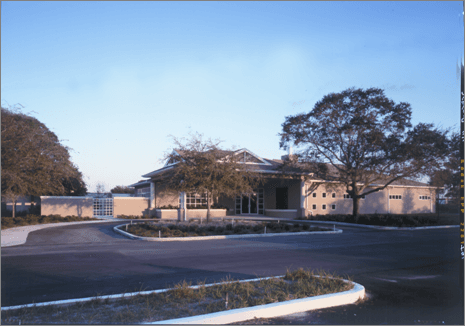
116	80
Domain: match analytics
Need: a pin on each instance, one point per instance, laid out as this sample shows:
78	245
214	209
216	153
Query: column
302	211
152	195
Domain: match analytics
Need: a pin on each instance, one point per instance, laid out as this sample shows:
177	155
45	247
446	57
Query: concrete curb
236	315
18	235
383	227
217	237
272	310
121	296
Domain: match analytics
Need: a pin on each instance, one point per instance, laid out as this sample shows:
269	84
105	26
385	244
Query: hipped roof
273	167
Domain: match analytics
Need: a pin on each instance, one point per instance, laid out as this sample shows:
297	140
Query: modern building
291	194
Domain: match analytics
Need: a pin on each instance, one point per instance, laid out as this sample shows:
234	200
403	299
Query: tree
74	185
100	189
366	139
122	190
203	167
449	175
34	162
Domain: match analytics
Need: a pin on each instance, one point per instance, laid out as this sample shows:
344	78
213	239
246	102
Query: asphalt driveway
409	276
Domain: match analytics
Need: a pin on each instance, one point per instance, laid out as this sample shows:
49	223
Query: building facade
291	195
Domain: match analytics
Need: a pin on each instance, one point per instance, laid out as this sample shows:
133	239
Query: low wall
67	206
284	213
168	214
137	206
172	214
197	213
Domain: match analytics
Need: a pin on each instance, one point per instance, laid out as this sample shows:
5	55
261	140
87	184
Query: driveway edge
236	315
18	235
383	227
273	310
216	237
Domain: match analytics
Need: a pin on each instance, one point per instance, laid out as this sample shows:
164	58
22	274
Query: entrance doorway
281	198
250	203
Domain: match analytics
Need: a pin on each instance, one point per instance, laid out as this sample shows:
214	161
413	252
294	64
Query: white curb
272	310
215	237
383	227
236	315
124	295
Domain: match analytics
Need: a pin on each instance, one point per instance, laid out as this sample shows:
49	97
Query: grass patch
192	229
183	301
398	220
31	219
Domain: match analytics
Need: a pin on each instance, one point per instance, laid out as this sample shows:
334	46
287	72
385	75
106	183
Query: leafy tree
122	190
366	139
74	185
450	174
203	167
33	160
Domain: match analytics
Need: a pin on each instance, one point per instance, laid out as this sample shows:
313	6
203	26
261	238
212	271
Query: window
323	207
424	197
347	196
333	195
333	206
314	206
323	195
395	196
143	192
196	200
314	195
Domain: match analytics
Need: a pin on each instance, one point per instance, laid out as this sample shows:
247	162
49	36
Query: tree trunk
208	207
356	200
13	209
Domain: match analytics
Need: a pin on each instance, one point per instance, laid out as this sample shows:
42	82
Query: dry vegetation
182	301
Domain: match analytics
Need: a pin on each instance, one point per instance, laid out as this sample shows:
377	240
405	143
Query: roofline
153	173
139	183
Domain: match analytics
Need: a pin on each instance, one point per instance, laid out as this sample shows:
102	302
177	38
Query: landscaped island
195	229
182	301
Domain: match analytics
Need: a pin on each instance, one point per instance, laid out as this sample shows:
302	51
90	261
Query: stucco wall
377	202
169	214
196	213
67	206
136	206
164	196
410	201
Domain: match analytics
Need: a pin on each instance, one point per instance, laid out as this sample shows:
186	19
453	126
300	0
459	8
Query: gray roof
275	166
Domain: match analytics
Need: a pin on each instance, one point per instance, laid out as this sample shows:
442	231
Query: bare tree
100	189
201	166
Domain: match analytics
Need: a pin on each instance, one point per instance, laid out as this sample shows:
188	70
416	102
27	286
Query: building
291	194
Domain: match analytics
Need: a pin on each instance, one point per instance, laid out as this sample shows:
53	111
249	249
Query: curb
383	227
273	310
216	237
120	296
236	315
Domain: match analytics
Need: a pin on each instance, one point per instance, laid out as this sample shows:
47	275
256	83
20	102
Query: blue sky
114	79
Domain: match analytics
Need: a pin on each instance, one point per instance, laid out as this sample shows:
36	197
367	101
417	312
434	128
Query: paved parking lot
410	276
